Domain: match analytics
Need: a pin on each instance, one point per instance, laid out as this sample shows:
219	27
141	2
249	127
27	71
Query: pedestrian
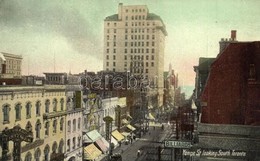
138	153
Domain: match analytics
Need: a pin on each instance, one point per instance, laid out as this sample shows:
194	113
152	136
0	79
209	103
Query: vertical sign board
78	99
177	144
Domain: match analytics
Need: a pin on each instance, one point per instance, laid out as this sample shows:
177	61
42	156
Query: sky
67	35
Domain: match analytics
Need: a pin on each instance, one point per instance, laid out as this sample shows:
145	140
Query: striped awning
102	146
117	135
91	152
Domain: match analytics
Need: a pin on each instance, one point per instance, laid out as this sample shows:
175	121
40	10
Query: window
114	50
147	64
28	157
153	37
47	124
54	147
38	108
62	104
74	143
126	24
115	24
68	144
107	44
79	120
147	57
147	43
107	57
146	70
37	154
125	43
54	105
46	153
107	37
152	50
61	124
147	36
107	63
47	106
114	37
126	10
153	43
74	124
79	141
126	17
114	30
54	126
125	57
152	57
107	50
108	24
114	43
147	50
126	37
69	126
61	146
18	108
114	57
38	129
28	110
152	64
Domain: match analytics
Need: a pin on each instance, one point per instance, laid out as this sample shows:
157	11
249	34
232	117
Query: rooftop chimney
233	35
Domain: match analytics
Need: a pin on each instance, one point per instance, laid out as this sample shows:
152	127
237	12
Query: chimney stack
233	35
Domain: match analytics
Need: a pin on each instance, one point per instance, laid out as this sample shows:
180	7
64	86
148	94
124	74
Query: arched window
74	124
28	126
79	121
47	125
38	129
54	126
69	126
28	109
68	144
6	113
46	153
62	104
61	124
38	108
61	146
37	154
28	157
74	143
18	108
54	105
54	147
47	106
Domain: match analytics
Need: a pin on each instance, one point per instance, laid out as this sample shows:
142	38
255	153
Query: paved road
129	152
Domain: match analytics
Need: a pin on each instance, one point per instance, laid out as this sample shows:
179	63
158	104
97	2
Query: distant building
134	41
10	69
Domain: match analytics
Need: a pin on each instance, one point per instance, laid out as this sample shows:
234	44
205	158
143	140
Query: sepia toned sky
69	33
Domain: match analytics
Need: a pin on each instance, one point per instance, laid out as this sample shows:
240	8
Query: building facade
134	41
10	65
41	109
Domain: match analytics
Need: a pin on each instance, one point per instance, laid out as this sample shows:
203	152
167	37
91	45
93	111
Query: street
150	139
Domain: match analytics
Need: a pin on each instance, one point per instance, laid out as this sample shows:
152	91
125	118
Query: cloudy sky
69	33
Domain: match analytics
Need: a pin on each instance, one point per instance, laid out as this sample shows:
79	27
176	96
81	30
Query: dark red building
232	91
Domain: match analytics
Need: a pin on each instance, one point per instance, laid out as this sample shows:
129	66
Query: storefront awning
124	121
130	127
118	136
94	135
113	140
151	117
102	145
91	152
125	134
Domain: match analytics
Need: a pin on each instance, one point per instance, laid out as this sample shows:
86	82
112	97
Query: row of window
136	10
140	23
136	30
138	70
139	57
139	50
54	126
28	107
140	43
79	142
74	125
